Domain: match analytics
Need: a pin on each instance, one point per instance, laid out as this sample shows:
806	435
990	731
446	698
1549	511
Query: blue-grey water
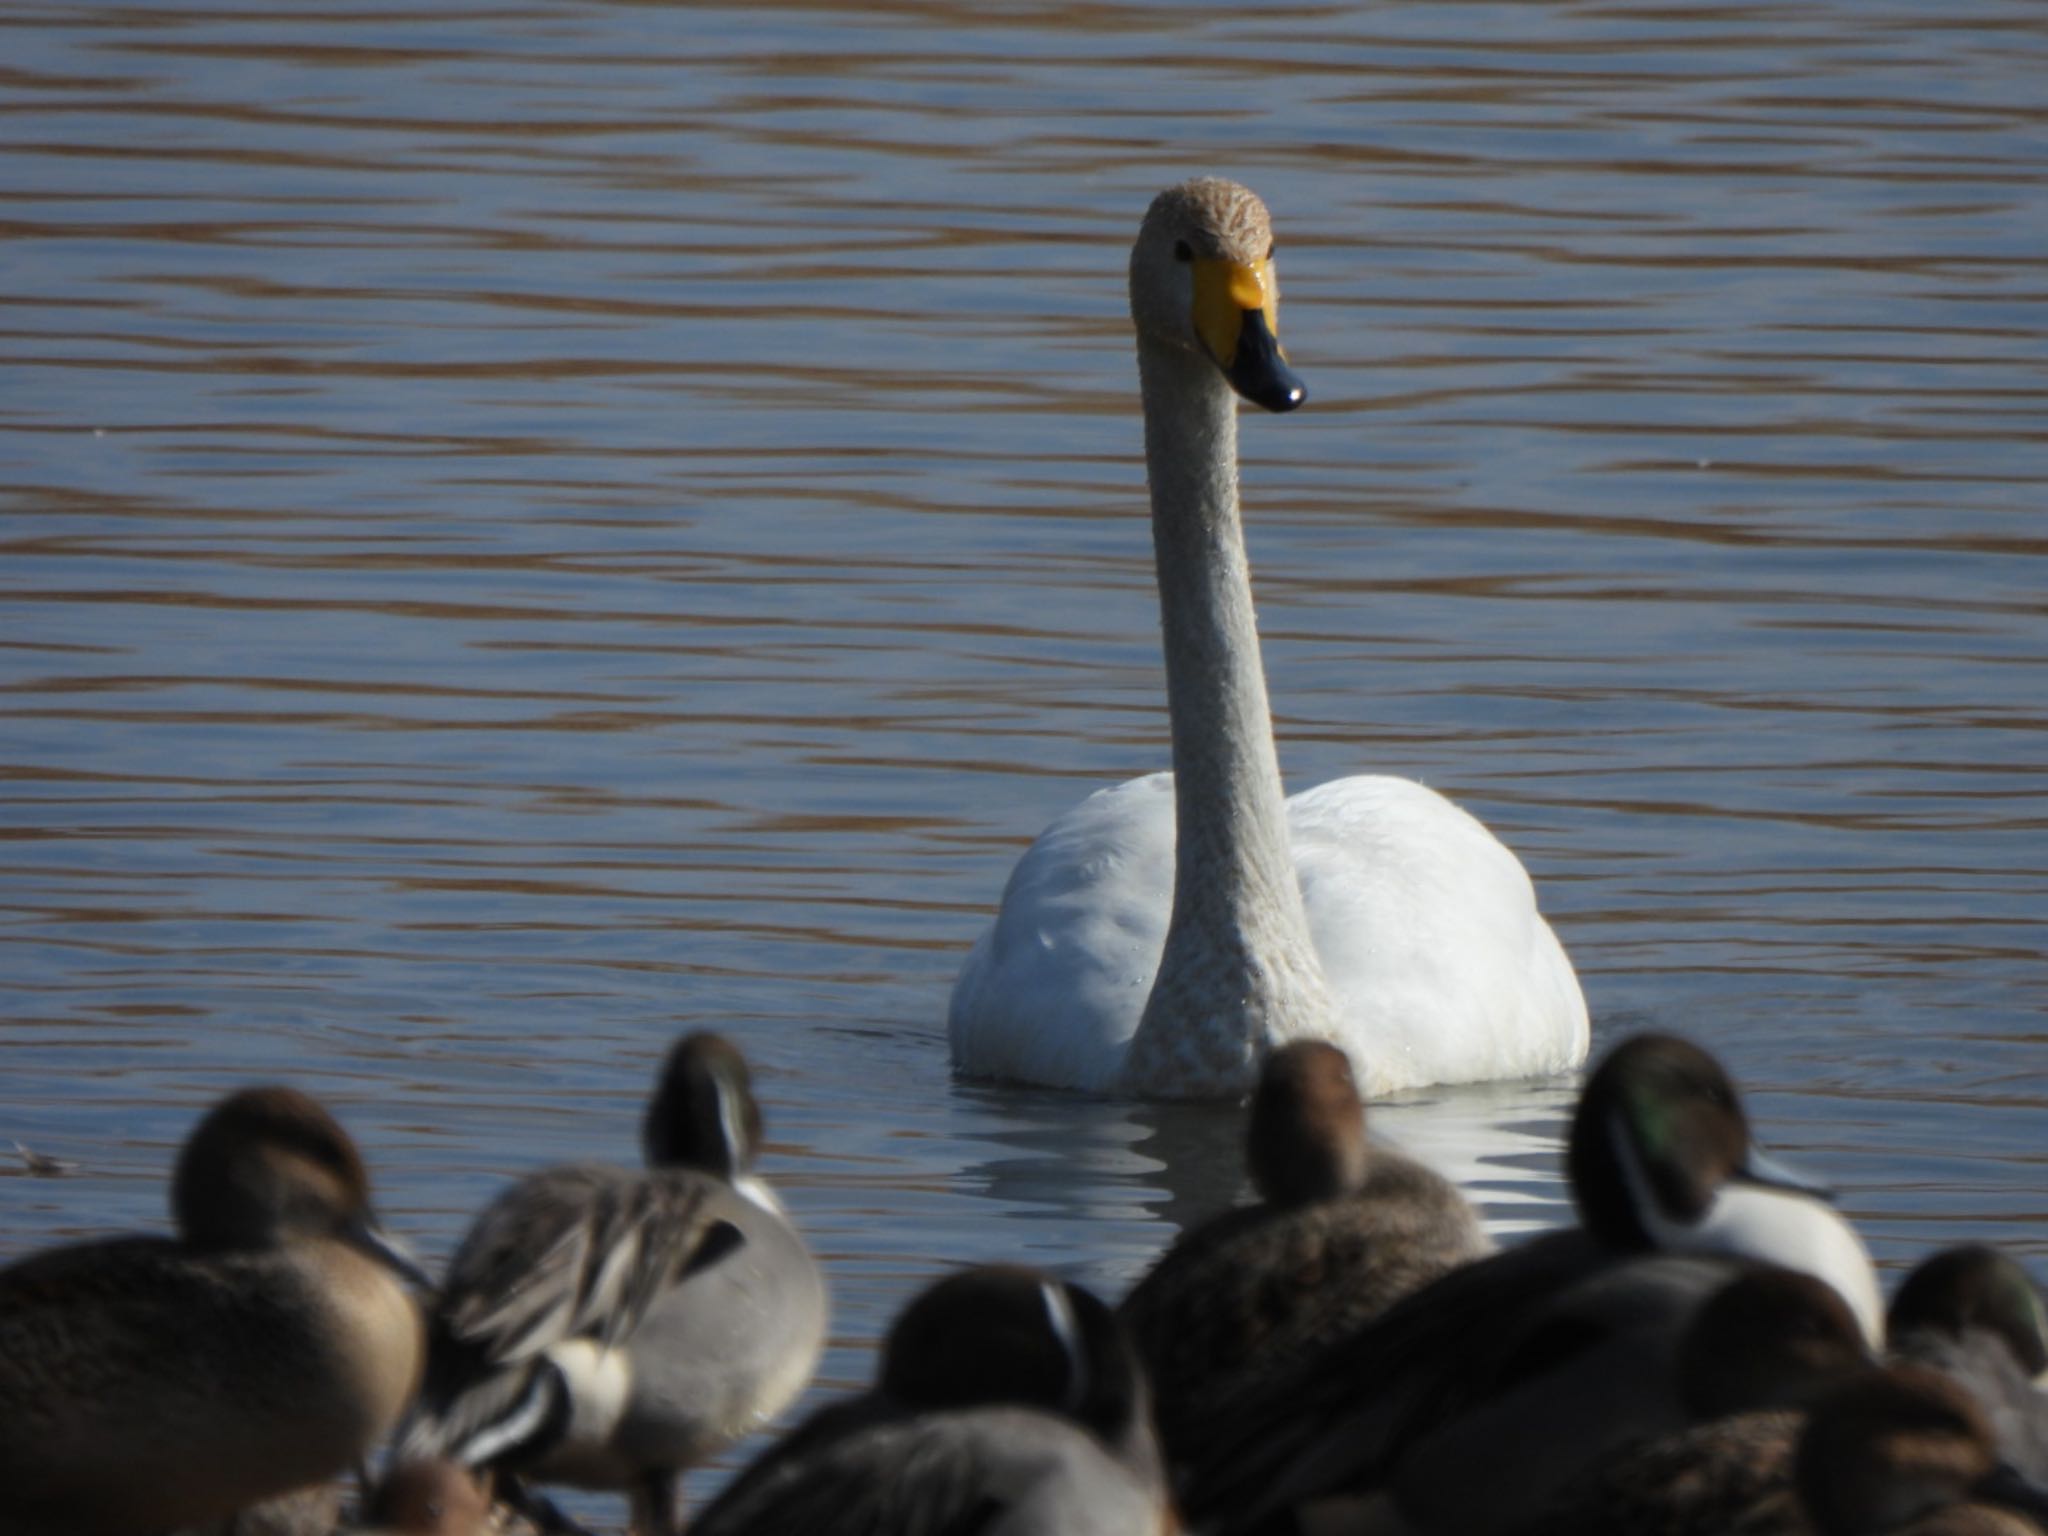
527	527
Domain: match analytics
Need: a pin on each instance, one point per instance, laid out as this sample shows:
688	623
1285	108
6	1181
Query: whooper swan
1163	935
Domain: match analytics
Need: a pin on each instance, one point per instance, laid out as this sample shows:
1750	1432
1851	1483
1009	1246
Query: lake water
530	527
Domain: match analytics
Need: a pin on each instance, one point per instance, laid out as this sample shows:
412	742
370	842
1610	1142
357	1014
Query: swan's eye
1271	247
1182	251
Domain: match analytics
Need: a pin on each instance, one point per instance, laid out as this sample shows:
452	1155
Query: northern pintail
148	1383
1661	1158
1905	1452
1769	1344
1973	1314
1895	1452
1007	1401
1672	1197
1344	1229
610	1328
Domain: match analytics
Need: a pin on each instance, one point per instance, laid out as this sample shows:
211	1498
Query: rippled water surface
529	527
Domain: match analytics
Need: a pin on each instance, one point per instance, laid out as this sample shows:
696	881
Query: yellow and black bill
1236	313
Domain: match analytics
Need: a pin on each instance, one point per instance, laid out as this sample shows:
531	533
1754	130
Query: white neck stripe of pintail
1635	1178
1066	1327
2035	1315
728	1124
751	1187
529	1412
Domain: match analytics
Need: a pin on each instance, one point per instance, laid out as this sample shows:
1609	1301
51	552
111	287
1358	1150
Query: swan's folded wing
1052	992
1430	938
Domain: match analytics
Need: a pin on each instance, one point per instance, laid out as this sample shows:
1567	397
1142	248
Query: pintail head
270	1165
1305	1139
1975	1286
1771	1338
703	1114
1659	1122
1009	1334
1895	1446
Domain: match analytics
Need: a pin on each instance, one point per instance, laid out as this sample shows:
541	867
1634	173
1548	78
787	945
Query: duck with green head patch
1661	1158
1975	1315
1546	1348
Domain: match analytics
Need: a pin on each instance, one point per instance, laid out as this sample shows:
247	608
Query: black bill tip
1259	372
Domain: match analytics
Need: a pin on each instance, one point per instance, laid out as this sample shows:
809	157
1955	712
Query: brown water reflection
527	528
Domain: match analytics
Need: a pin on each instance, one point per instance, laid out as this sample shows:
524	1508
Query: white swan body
1163	936
1440	967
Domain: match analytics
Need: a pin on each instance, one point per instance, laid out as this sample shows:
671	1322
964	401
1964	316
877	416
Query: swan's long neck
1239	972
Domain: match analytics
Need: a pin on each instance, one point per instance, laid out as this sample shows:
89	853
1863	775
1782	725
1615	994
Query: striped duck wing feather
583	1251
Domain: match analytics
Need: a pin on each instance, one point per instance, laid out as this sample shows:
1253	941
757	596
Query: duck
1972	1313
1904	1451
1006	1400
314	1510
427	1498
1557	1348
149	1383
1766	1347
1343	1229
1159	938
609	1328
1661	1157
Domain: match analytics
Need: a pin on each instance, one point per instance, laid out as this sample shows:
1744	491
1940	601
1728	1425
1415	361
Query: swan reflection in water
1138	1174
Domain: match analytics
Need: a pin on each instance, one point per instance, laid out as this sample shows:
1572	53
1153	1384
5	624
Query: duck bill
1759	1167
367	1236
1237	308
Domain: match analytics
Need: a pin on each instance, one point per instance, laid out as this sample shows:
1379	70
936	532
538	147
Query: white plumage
1440	967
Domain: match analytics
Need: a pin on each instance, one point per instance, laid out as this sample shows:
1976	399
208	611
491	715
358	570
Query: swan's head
1202	281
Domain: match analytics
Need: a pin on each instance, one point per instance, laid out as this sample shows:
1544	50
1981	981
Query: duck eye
1182	251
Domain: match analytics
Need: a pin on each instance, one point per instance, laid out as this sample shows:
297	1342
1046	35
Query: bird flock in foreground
1705	1353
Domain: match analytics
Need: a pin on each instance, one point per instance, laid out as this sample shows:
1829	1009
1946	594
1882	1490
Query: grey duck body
1007	1403
608	1327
